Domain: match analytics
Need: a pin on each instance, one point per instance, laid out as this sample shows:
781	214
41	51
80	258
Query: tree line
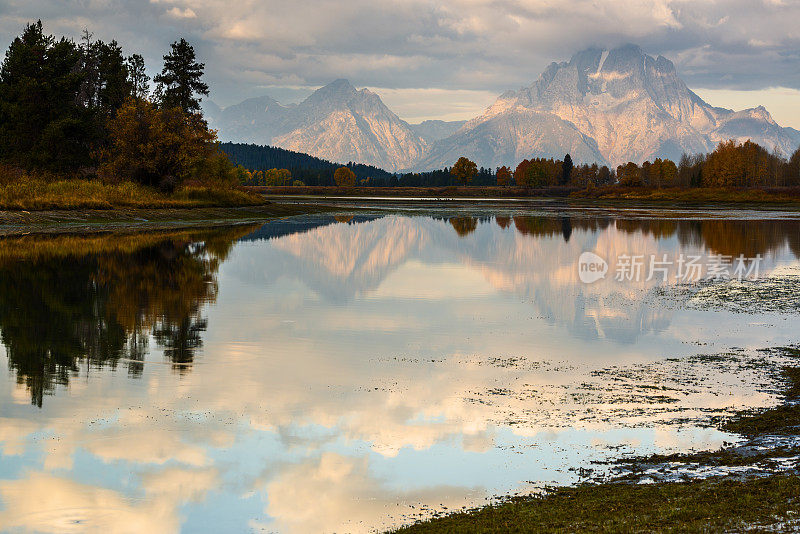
731	164
86	110
264	165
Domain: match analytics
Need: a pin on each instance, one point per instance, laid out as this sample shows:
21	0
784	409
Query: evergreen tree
137	76
793	169
566	170
115	85
42	123
179	85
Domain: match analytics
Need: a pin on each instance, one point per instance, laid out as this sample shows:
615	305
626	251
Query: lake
356	371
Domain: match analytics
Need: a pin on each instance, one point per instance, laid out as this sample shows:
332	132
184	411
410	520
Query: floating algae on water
778	292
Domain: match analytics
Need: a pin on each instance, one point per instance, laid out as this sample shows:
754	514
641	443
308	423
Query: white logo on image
591	267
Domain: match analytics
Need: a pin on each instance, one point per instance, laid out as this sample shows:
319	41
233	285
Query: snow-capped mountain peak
608	106
336	122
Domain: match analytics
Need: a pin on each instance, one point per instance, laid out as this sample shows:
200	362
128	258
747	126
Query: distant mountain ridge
604	106
337	122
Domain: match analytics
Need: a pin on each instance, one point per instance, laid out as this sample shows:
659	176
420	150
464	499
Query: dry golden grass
29	193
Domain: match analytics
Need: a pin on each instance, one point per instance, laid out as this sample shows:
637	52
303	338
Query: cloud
345	497
480	45
145	445
186	13
46	503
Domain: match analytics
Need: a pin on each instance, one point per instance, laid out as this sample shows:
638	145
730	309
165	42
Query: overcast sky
445	59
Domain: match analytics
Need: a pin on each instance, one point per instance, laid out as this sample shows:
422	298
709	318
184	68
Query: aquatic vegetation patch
779	293
783	419
751	485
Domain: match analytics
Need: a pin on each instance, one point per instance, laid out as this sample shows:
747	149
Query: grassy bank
70	194
722	503
713	505
693	195
32	248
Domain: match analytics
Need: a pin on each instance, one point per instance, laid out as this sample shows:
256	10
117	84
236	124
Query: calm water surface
350	373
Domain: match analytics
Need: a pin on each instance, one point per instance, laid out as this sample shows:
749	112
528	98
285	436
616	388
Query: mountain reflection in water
222	380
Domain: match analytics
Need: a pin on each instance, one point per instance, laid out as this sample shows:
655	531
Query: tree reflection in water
69	301
726	237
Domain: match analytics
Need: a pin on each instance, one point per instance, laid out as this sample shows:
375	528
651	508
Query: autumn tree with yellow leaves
464	170
344	177
162	147
503	176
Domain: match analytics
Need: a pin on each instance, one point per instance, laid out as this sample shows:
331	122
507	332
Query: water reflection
362	363
95	300
726	237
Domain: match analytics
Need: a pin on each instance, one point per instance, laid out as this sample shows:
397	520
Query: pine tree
137	76
179	85
566	170
793	170
42	121
114	85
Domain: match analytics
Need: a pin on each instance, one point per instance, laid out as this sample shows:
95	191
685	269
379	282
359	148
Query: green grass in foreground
32	194
711	505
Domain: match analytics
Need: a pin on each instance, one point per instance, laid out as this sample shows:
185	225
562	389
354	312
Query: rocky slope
626	106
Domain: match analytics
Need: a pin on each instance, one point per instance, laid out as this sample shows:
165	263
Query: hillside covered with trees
302	167
730	165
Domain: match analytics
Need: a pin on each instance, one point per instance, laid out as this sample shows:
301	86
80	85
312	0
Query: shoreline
86	221
100	220
781	196
751	485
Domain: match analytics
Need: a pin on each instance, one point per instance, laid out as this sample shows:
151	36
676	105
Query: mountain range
603	106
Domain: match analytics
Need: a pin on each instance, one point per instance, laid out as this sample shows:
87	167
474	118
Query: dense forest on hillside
315	171
307	169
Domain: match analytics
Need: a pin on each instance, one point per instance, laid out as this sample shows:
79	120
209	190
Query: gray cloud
487	45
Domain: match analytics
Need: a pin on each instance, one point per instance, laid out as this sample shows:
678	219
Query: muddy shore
96	220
